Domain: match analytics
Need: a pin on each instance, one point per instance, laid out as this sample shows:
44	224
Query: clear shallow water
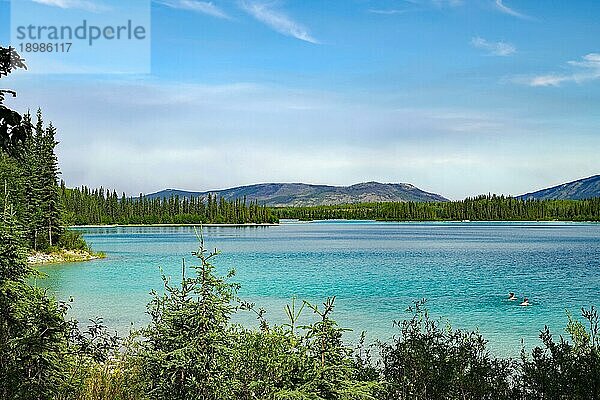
375	269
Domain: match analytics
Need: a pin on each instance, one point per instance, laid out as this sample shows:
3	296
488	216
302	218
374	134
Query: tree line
481	208
85	206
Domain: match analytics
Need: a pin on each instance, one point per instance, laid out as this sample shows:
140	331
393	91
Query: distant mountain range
577	190
301	194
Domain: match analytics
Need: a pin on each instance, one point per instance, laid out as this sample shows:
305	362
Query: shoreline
292	221
517	221
172	225
62	257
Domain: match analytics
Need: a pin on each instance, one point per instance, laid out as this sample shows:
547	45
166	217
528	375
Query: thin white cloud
509	11
203	7
502	49
277	20
447	3
587	69
75	4
418	5
387	12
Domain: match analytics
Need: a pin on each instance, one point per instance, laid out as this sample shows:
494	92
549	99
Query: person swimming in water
525	302
511	296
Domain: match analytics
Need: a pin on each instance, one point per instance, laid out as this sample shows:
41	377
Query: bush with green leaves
562	369
72	240
430	360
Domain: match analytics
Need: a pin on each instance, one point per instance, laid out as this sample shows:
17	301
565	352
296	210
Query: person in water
525	302
511	296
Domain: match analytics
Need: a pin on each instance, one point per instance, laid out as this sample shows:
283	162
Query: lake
376	269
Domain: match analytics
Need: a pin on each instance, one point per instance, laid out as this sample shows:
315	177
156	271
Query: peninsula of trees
84	206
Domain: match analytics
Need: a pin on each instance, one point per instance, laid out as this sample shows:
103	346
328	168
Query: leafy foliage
186	345
563	369
33	331
432	361
72	240
12	127
42	353
9	61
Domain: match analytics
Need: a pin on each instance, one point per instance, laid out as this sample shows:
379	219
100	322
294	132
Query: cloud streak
447	3
277	20
203	7
509	11
501	49
73	4
418	5
586	69
387	12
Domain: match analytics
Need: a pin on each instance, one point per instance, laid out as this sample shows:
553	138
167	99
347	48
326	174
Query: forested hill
577	190
301	194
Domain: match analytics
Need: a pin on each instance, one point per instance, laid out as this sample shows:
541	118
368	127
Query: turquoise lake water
376	269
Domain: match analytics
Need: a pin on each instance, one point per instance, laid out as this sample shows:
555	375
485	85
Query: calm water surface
376	269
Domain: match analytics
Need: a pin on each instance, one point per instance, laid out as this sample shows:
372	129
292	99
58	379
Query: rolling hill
301	194
577	190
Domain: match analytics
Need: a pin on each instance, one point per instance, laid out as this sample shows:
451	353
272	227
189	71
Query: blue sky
456	97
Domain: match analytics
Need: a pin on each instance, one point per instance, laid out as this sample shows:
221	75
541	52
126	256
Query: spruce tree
51	205
32	217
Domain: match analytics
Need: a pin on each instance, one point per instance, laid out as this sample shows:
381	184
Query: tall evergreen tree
49	189
32	181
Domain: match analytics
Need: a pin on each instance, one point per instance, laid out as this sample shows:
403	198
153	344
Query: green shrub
565	370
429	360
34	335
34	346
72	240
188	344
